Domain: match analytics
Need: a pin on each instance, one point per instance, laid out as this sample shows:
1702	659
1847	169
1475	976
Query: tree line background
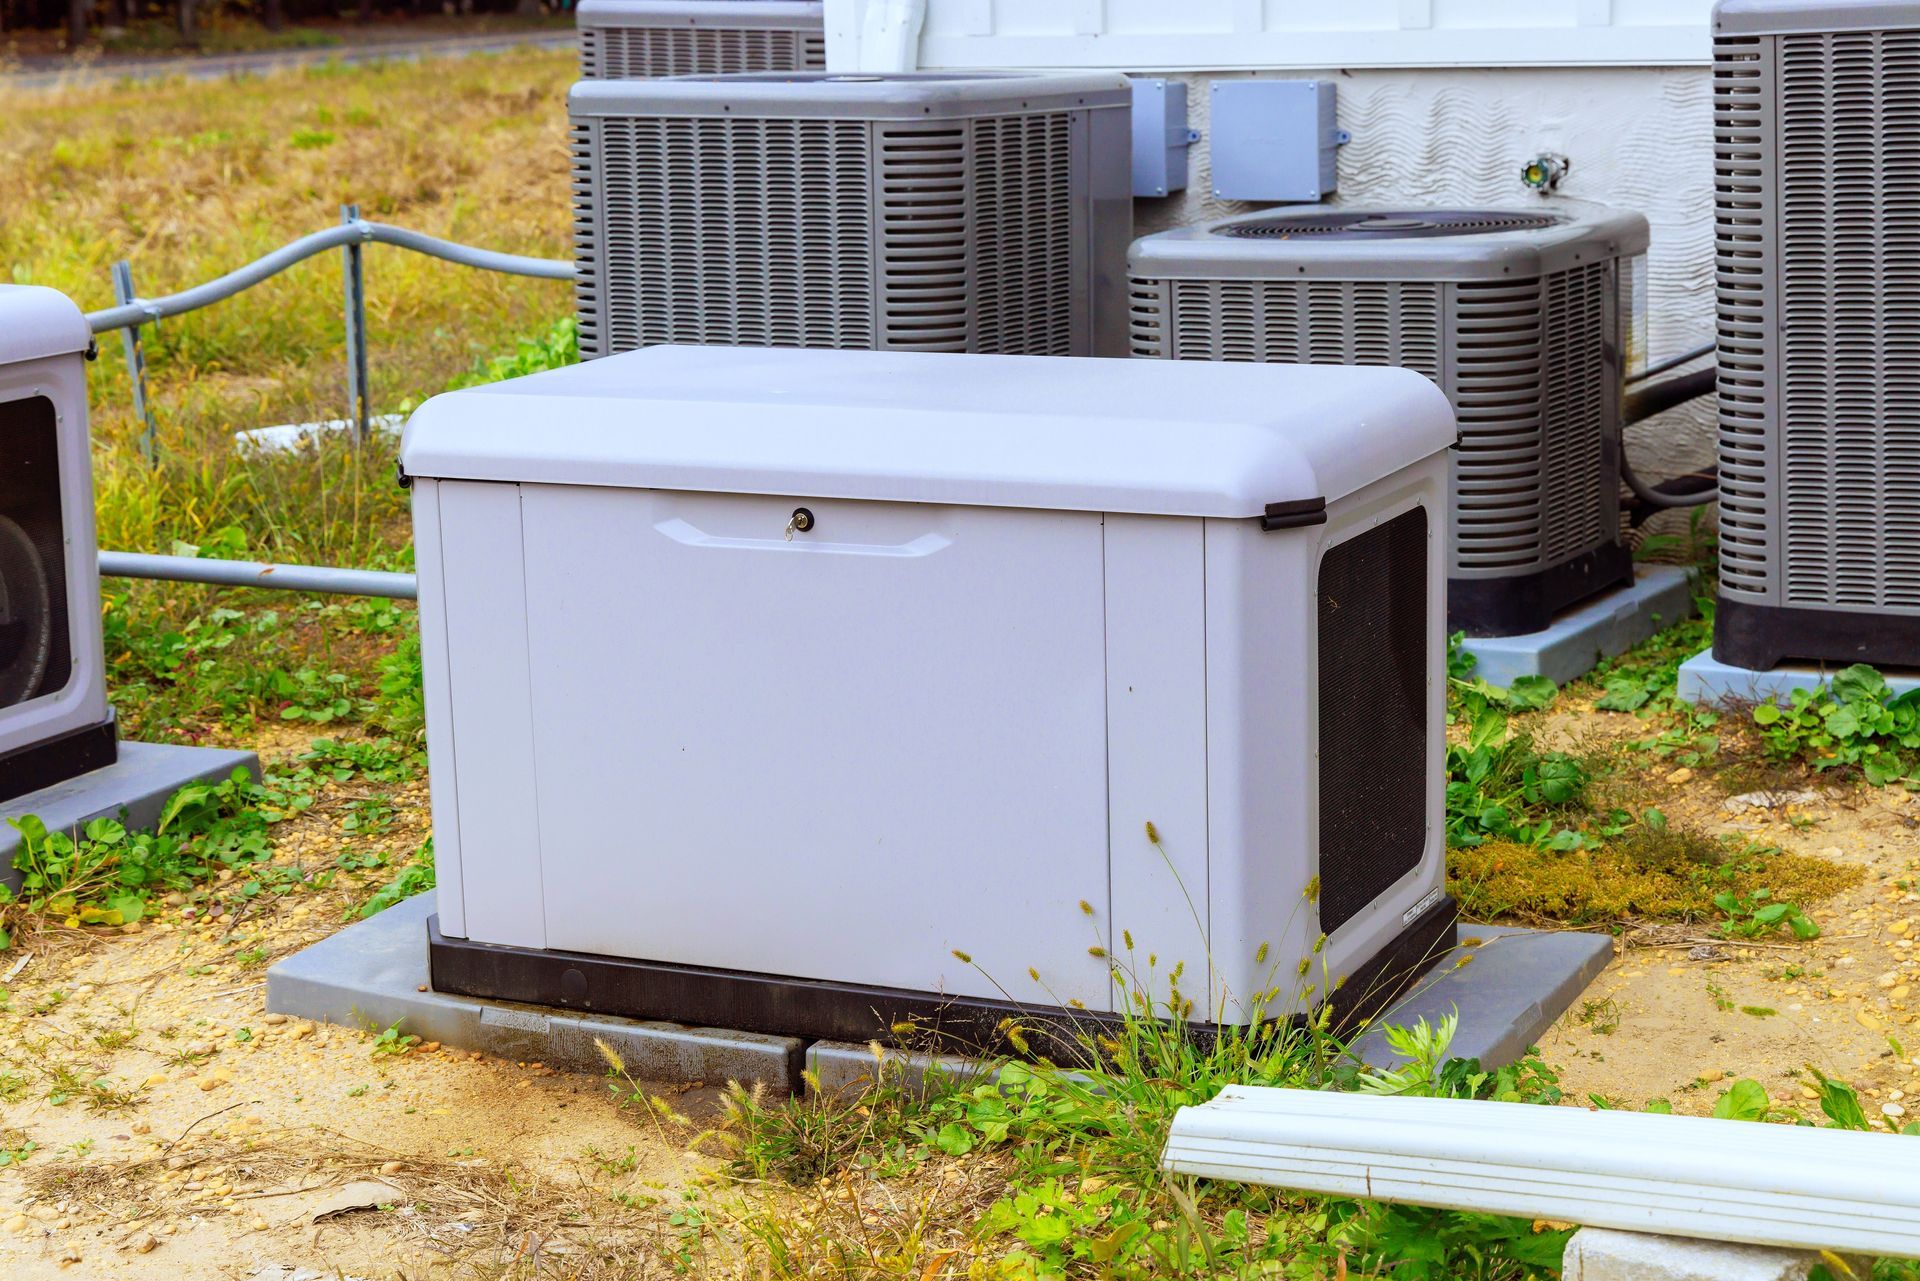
80	16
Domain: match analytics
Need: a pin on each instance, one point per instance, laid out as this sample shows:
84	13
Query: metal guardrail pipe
141	311
253	573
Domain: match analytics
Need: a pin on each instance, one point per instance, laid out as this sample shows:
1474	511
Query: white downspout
885	35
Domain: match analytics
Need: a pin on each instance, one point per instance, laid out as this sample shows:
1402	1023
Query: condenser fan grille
35	657
1423	224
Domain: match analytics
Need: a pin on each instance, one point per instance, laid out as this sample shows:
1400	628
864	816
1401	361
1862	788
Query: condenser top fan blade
26	616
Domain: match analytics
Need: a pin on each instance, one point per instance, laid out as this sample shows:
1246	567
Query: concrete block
1510	991
841	1067
1601	1254
133	789
1608	624
1705	679
374	973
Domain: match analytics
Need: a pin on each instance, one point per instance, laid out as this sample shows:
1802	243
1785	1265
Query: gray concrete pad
1705	679
1609	624
374	973
1512	987
841	1067
1602	1254
133	789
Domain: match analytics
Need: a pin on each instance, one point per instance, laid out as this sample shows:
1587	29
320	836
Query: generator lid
1784	17
36	322
778	15
1350	243
1157	437
909	95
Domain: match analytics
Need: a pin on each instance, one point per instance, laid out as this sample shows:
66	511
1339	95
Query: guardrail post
358	412
136	364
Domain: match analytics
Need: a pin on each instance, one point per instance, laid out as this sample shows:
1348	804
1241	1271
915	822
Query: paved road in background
51	72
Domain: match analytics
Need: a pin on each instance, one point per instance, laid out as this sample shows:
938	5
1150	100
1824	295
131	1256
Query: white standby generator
811	692
54	719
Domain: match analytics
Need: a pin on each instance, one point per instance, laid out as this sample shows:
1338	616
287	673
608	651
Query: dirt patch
1681	1011
181	1131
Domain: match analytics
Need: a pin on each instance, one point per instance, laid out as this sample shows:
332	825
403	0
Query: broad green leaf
1744	1100
1842	1105
1530	692
1859	684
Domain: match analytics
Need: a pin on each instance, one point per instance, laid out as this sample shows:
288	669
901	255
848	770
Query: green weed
1755	914
109	876
392	1042
1856	721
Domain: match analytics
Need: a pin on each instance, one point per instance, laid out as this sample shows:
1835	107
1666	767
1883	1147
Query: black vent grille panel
35	645
640	53
1373	618
733	231
1849	311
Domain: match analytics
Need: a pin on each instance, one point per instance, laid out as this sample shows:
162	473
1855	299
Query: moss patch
1668	874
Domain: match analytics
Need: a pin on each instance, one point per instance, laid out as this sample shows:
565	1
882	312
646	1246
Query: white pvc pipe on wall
1740	1181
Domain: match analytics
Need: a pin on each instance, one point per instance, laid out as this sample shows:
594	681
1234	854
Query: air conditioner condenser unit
637	39
812	692
975	211
1817	238
54	719
1522	317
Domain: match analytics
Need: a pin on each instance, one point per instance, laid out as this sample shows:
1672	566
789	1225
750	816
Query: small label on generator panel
1427	900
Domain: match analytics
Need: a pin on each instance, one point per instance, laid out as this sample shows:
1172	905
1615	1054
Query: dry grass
187	180
489	1216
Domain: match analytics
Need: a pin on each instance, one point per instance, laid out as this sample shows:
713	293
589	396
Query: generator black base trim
1528	602
1760	637
821	1010
55	760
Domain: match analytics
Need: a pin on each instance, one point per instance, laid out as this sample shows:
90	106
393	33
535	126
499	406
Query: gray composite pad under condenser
1705	679
133	789
374	974
1609	624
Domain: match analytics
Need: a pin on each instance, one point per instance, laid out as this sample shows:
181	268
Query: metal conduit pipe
254	573
1644	402
143	310
1672	362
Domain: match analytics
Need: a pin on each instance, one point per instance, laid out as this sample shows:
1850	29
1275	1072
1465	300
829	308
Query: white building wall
1620	87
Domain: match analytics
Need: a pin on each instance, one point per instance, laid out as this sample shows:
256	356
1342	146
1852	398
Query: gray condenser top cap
1788	17
1392	244
791	95
763	15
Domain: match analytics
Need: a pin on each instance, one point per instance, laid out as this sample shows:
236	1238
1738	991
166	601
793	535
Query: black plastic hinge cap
1295	514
